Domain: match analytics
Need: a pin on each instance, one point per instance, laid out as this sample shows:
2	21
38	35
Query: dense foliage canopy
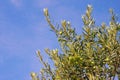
92	55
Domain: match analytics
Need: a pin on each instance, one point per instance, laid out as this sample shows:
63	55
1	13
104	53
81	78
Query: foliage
93	55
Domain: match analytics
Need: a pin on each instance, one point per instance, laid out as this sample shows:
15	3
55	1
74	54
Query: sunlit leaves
45	12
92	55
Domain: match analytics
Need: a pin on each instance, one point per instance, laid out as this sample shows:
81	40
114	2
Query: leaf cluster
93	55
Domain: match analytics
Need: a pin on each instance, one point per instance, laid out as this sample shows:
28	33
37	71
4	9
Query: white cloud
16	3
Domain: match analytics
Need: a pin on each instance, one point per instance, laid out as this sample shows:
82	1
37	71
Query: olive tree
92	55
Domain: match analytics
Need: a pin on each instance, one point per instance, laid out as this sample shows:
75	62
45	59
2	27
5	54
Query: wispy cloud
1	59
16	3
45	3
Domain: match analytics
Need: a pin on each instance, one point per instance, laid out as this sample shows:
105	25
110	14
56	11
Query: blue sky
23	30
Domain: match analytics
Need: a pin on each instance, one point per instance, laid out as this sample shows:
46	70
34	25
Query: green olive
60	32
107	59
92	62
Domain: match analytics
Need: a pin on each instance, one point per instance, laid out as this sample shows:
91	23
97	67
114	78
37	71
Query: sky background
23	30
